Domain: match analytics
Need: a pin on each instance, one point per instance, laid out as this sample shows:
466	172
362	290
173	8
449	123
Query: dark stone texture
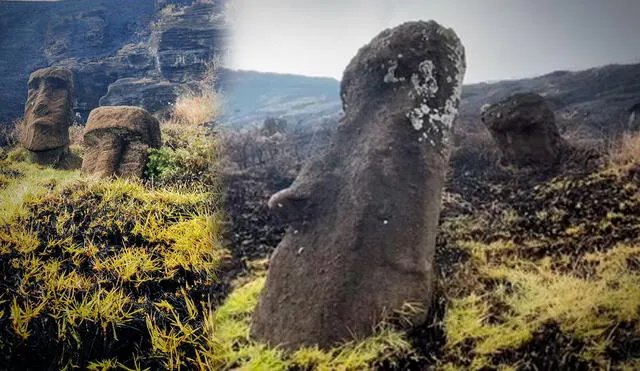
188	41
154	96
363	216
102	41
117	139
525	130
48	109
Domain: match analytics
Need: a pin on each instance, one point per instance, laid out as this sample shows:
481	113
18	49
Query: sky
504	39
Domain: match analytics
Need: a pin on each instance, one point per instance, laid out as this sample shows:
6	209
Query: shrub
195	108
18	154
161	163
625	153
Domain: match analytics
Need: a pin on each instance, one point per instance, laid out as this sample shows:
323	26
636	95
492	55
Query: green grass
33	182
121	274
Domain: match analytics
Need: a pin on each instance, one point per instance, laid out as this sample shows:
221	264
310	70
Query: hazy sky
503	38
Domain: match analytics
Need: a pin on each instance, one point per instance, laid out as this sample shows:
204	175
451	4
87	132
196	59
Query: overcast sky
503	38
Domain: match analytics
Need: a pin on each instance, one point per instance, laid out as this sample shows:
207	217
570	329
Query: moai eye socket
34	84
57	83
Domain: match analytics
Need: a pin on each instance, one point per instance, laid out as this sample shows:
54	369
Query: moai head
48	112
524	127
117	139
363	216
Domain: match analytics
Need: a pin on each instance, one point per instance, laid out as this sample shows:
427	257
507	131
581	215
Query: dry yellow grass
625	153
192	108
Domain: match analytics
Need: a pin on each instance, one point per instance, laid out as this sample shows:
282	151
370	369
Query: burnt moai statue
117	139
48	116
524	128
363	216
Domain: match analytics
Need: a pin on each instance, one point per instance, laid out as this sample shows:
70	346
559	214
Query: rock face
103	41
152	95
117	139
524	128
364	215
48	116
188	42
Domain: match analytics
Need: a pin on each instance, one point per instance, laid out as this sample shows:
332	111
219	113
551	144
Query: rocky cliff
150	45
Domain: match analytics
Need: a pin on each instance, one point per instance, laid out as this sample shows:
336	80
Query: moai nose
41	109
288	204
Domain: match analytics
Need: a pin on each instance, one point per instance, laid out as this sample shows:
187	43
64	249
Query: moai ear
289	204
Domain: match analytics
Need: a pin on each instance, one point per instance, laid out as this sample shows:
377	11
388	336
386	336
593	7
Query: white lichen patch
425	87
424	82
390	77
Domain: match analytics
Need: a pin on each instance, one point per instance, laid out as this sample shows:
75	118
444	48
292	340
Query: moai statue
363	217
117	139
47	117
525	130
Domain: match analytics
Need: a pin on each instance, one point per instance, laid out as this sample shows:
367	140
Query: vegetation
117	274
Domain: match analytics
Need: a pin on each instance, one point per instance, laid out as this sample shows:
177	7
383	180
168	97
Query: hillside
533	272
253	96
134	52
595	100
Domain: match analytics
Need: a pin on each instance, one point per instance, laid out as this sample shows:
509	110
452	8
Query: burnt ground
252	231
499	203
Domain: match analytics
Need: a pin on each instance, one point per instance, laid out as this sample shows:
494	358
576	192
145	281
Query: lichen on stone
390	76
424	82
425	87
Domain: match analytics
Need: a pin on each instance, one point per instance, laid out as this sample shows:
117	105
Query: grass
86	258
84	255
548	279
121	274
29	182
625	153
228	345
528	295
193	108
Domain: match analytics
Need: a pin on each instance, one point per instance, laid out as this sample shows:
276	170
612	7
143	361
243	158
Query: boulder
48	116
523	126
117	139
363	216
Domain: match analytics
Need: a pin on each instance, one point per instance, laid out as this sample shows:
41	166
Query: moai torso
364	215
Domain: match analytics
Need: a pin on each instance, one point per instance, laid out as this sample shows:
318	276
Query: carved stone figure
48	116
363	217
117	139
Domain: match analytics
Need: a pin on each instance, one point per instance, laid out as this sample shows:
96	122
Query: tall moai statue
48	115
363	217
